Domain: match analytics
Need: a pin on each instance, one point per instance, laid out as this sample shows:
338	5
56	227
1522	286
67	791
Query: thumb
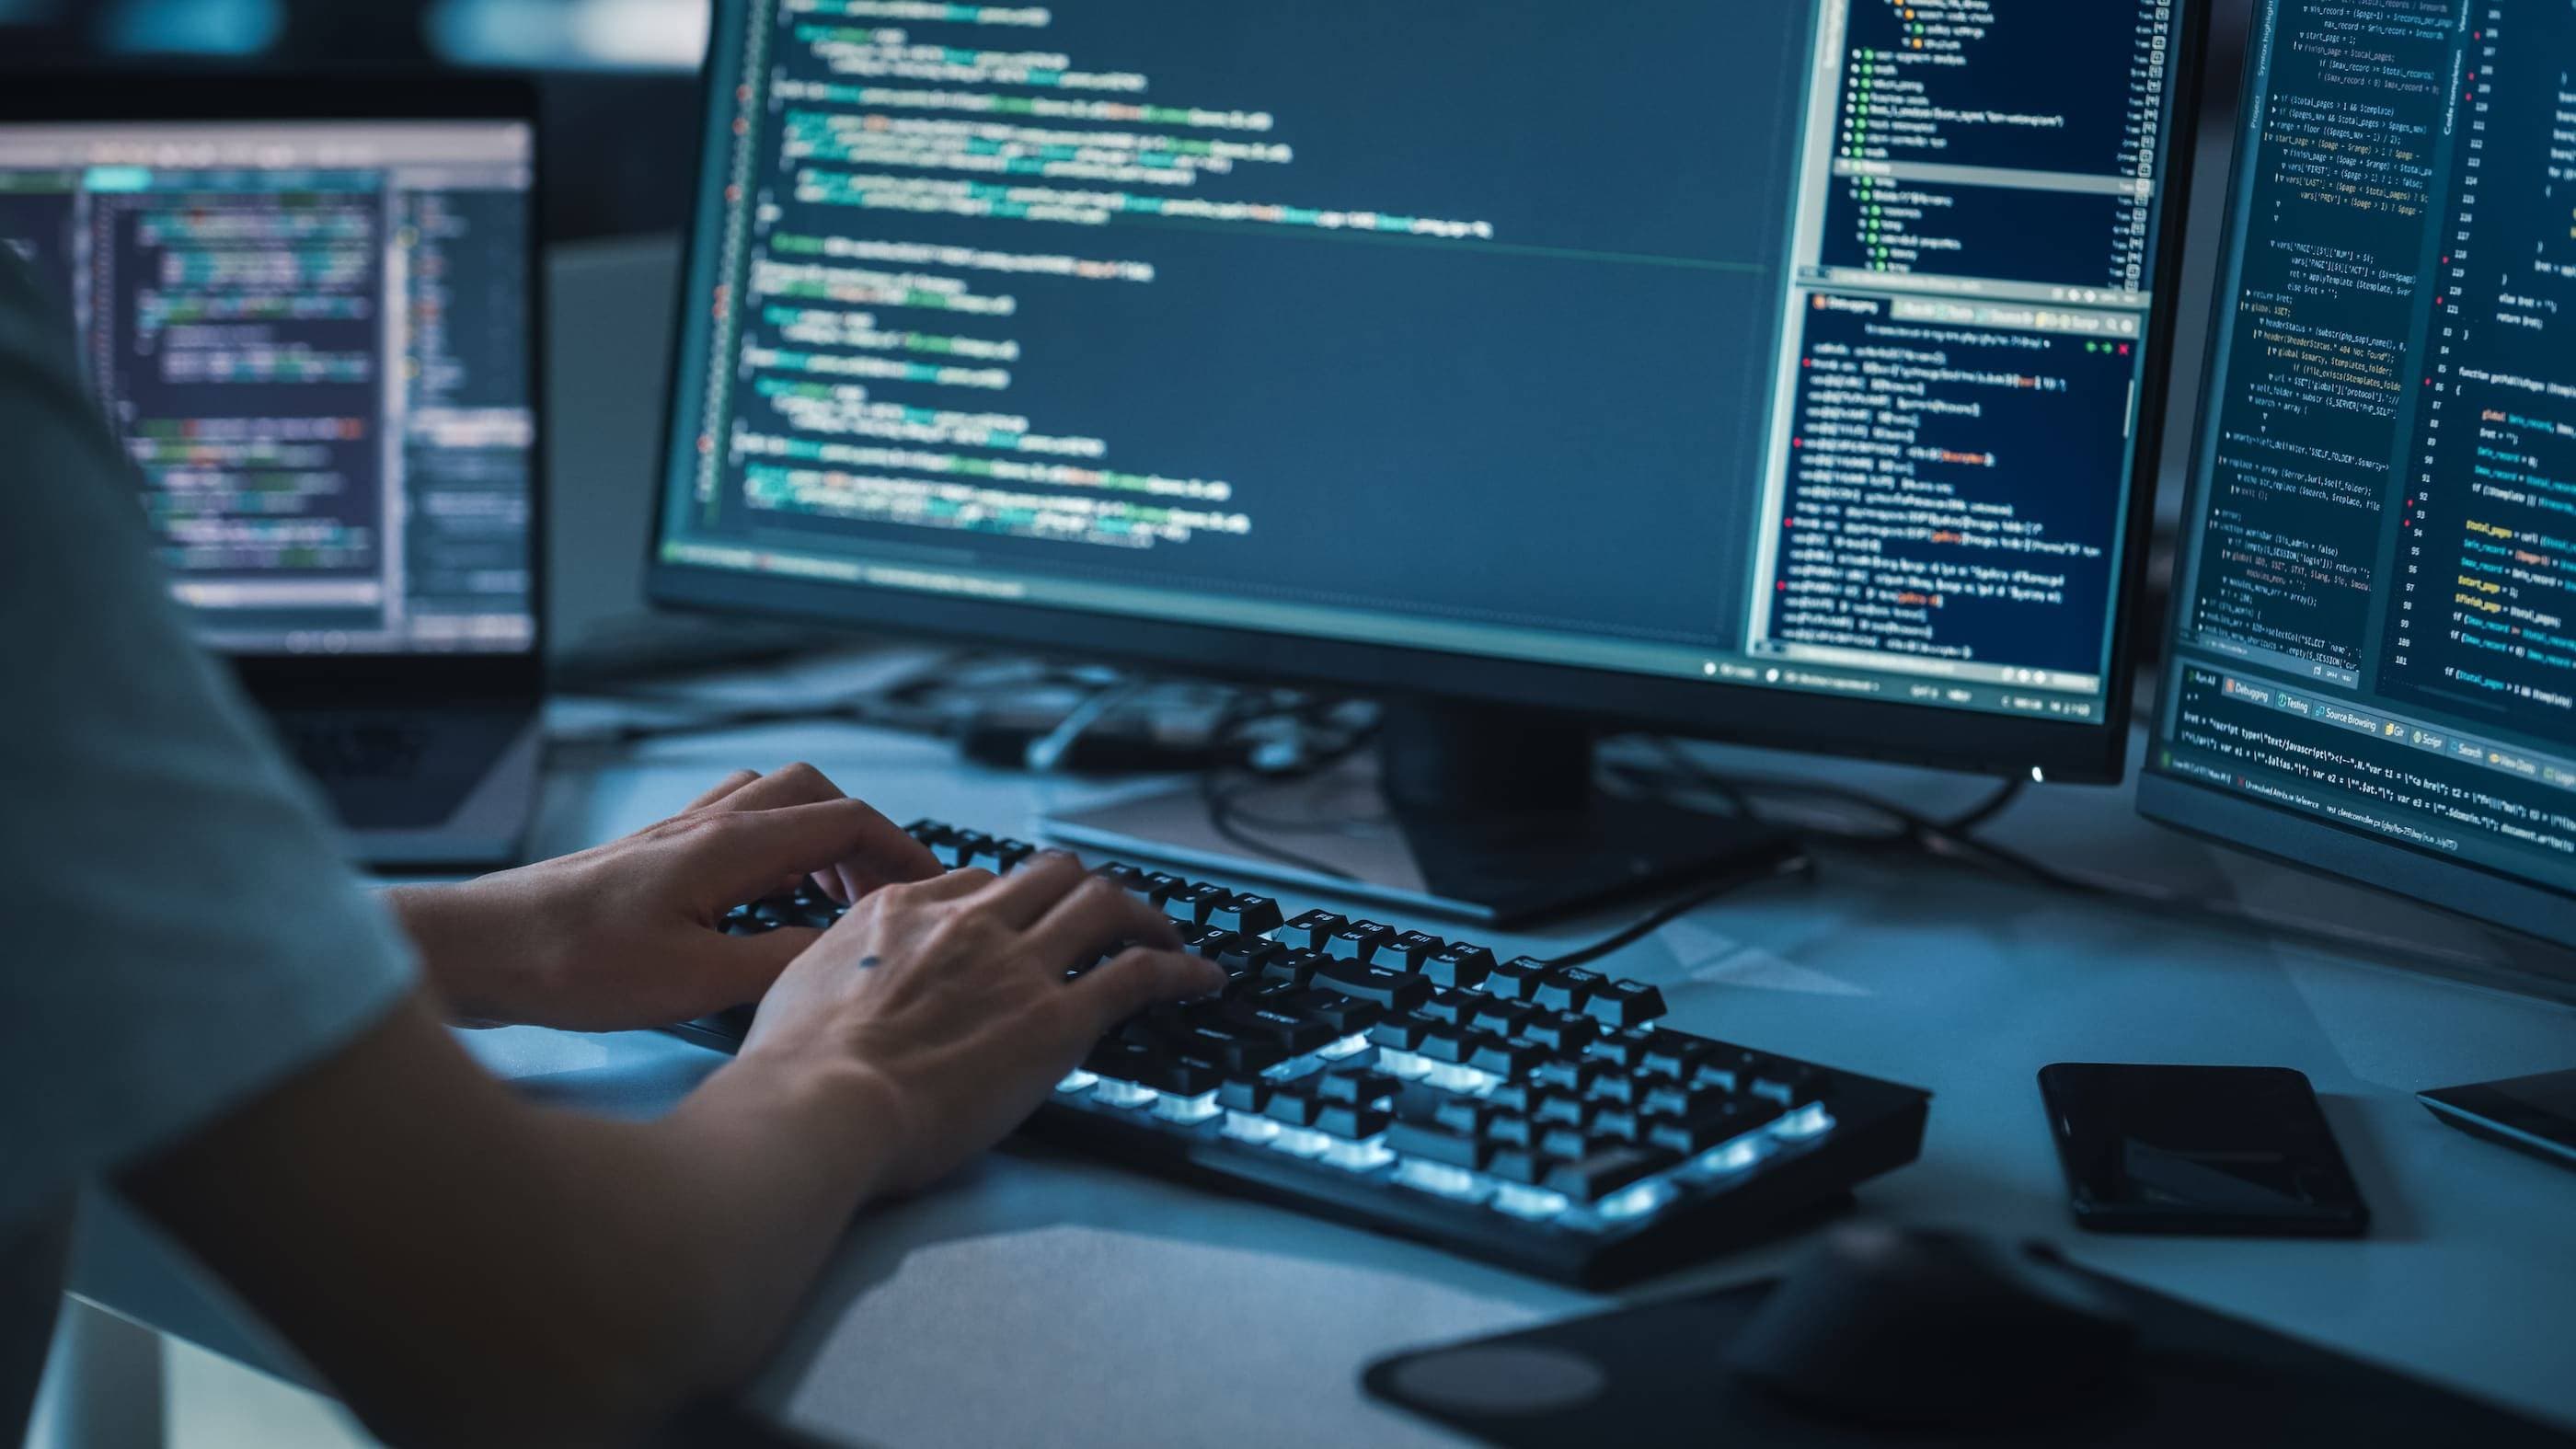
1140	977
739	855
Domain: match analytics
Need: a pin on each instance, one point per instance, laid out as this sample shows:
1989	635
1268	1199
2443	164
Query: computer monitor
306	308
2373	663
1784	373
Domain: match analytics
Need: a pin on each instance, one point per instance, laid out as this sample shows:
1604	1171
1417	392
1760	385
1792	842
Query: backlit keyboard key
1125	877
1359	941
1394	990
1568	1074
1561	1032
1568	1143
1623	1048
1459	966
1311	931
1623	1004
1248	955
1506	1058
1252	915
1463	1115
1343	1120
1292	966
1409	950
1604	1173
1183	1077
1562	1109
1674	1055
1448	1043
1402	1033
1418	1139
1567	988
1702	1131
1454	1007
1195	903
1616	1087
1293	1104
1293	1032
1621	1123
1346	1015
1671	1099
1516	980
1357	1088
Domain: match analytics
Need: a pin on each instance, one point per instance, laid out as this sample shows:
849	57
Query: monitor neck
1446	757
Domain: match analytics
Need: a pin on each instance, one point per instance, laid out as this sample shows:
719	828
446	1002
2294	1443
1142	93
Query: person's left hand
625	936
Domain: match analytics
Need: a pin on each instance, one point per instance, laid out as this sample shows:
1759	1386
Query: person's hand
950	997
626	935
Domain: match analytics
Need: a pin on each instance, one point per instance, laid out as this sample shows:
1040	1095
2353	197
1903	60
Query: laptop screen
313	336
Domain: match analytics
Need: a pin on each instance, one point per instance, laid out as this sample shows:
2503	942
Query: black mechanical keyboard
1528	1114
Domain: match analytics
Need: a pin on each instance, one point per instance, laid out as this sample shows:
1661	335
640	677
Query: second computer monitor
1783	371
306	311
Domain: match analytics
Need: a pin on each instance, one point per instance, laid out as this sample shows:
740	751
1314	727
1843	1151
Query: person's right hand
950	996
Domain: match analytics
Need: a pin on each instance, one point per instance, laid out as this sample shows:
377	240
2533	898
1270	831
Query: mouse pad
1650	1375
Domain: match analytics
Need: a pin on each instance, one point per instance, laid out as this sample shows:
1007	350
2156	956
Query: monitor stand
1484	814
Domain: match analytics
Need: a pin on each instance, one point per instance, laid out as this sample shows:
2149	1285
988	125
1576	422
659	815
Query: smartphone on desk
2233	1150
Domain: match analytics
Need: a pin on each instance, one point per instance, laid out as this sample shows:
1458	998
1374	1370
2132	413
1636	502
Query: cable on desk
1219	797
2005	797
1047	753
1936	840
1673	911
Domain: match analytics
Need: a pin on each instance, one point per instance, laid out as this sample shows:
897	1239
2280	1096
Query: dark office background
620	76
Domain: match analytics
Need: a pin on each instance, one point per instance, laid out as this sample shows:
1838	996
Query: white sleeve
177	929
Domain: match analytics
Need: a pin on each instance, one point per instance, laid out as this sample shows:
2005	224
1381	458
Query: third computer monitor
2374	665
1788	371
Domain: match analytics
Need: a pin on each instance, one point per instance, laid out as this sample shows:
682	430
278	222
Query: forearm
466	1268
759	1172
477	980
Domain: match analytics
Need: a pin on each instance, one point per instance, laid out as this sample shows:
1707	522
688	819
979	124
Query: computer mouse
1891	1328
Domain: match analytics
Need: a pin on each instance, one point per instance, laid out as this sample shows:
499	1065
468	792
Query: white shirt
178	932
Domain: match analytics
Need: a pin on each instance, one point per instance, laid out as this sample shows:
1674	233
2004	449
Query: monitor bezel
2478	893
1938	737
116	92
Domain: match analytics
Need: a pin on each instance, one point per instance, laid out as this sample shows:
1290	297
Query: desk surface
1042	1299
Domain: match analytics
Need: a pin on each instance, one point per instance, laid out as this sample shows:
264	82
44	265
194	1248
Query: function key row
970	849
1196	903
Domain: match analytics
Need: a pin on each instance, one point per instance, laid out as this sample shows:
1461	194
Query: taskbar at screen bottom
2059	698
457	634
2411	782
